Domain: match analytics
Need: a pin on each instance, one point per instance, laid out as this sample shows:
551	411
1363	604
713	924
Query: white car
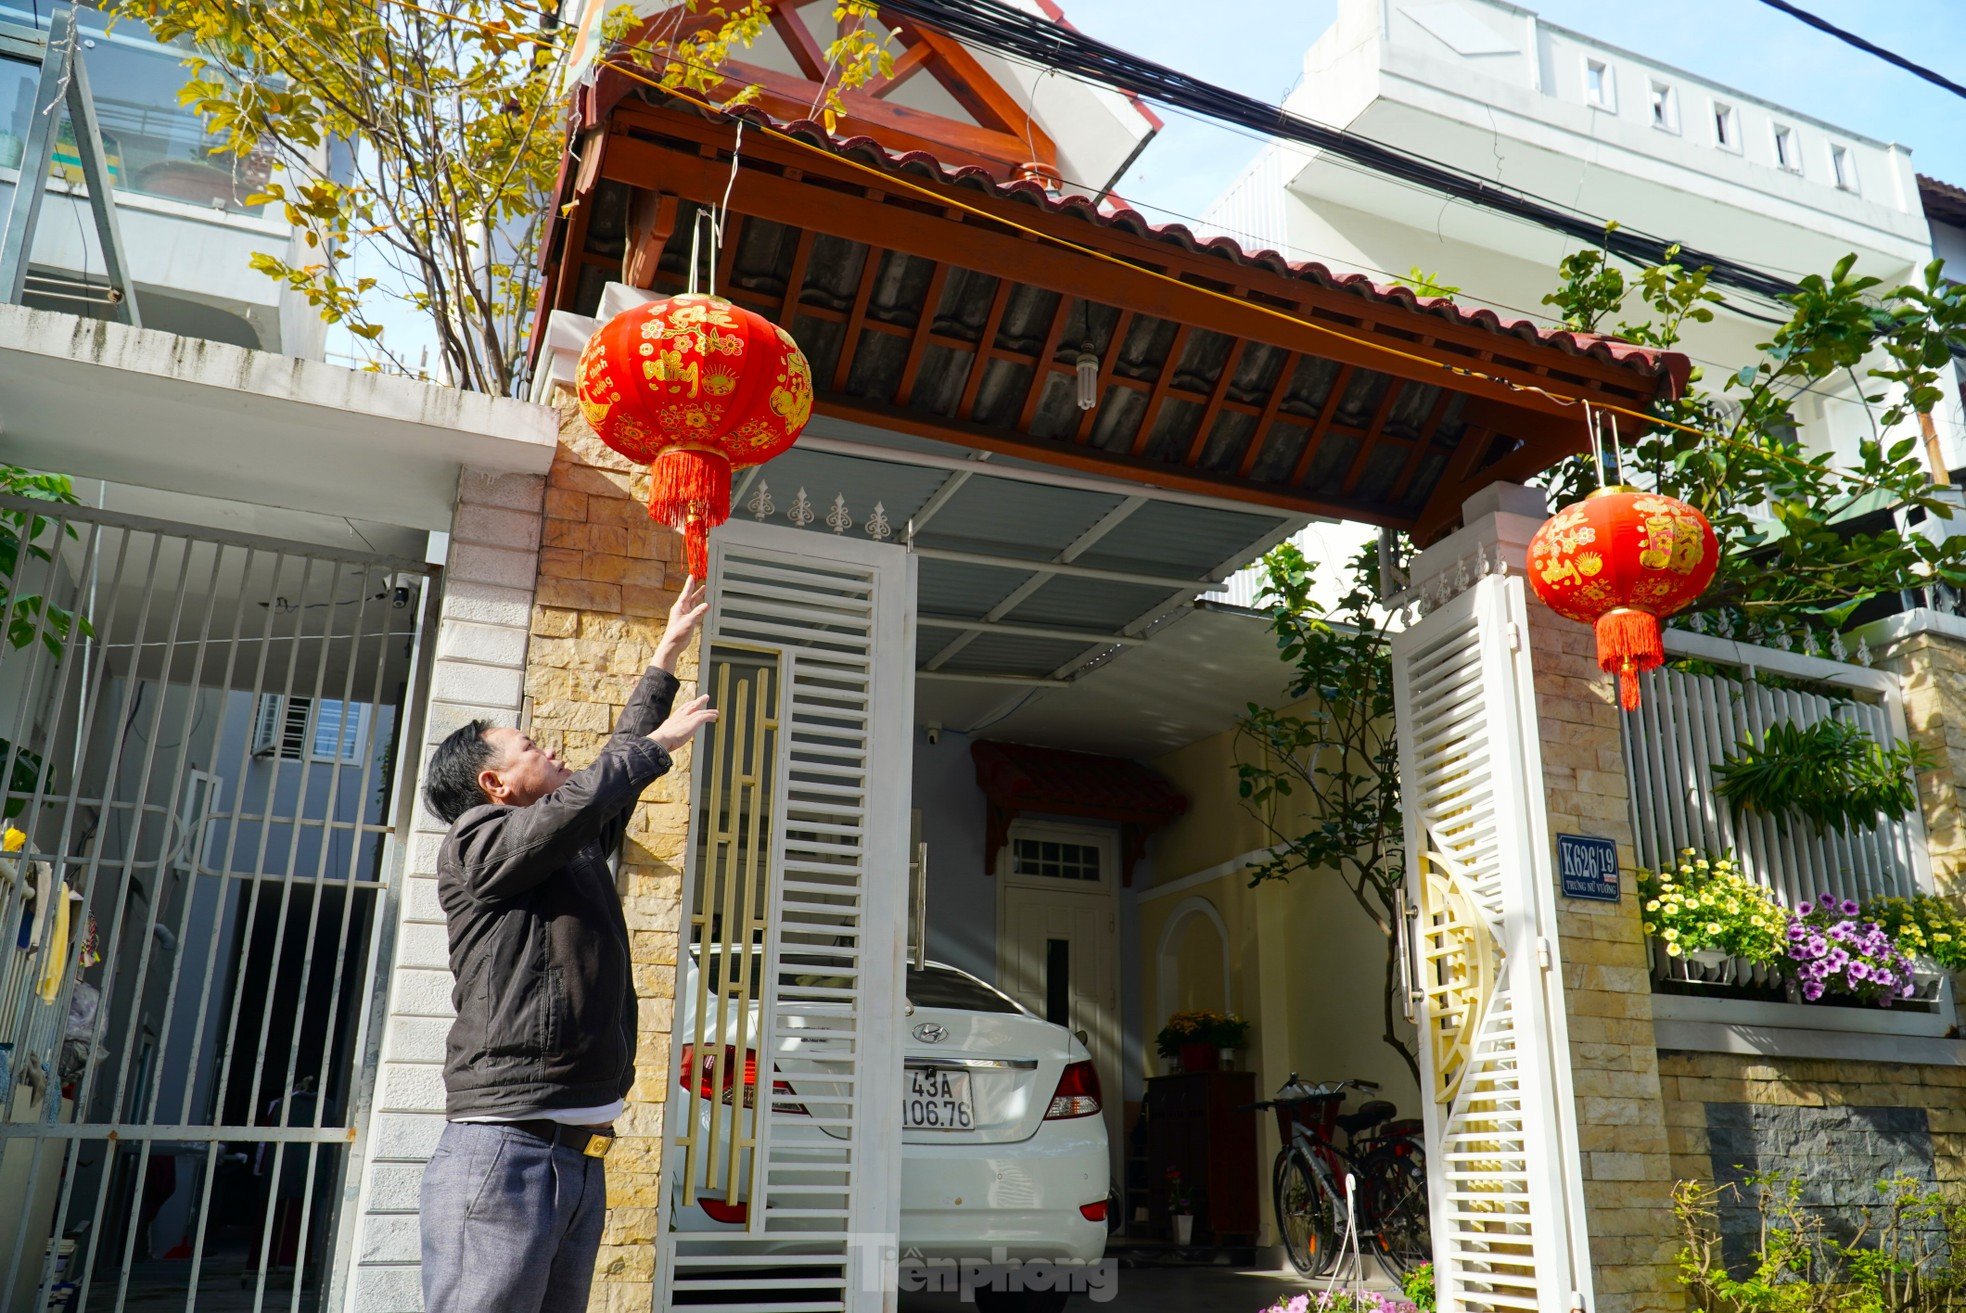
1004	1157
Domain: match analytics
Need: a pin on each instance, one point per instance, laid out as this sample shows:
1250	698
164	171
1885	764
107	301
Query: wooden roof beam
850	214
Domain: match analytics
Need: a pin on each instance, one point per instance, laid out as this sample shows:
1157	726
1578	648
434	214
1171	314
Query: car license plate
936	1099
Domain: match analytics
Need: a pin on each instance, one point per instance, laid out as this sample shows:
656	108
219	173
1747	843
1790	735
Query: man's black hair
451	787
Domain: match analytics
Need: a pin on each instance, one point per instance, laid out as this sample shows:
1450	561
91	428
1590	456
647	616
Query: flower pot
1199	1057
1184	1228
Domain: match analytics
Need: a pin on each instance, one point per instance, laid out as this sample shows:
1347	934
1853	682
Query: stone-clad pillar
607	577
1926	649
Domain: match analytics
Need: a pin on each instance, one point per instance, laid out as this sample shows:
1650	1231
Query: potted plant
1231	1038
1189	1038
1181	1207
1928	929
1707	913
1833	952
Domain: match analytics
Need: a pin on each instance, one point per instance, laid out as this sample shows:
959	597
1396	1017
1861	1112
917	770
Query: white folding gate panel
793	919
1501	1139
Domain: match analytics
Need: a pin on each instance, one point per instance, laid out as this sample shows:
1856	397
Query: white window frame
1843	168
348	746
1726	120
1088	834
1605	95
1788	160
1662	105
271	729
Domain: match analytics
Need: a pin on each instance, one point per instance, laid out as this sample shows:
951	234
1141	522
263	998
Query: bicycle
1387	1158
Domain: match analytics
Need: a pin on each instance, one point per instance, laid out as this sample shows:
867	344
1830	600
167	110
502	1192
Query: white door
790	971
1056	941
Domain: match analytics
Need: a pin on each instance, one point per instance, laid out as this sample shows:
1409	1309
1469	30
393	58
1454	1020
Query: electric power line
1869	48
995	26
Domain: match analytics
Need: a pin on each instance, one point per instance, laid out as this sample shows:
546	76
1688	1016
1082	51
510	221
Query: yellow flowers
1708	904
12	841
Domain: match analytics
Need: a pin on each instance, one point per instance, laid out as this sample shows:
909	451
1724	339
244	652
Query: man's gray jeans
510	1223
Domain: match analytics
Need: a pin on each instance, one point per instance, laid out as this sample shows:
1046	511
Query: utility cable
1007	31
1851	38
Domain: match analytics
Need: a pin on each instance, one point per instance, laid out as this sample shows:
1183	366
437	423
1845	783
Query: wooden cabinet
1193	1125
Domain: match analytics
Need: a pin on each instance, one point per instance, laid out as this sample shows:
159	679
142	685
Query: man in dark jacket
542	1052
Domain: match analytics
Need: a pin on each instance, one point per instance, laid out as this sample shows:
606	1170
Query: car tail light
1093	1212
701	1077
1077	1094
719	1211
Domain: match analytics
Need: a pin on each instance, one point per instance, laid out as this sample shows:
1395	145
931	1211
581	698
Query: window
1788	152
1665	107
1726	127
280	726
338	731
1600	87
945	987
1053	859
1844	165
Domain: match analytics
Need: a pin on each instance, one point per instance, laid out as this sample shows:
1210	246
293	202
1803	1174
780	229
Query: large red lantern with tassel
1623	560
695	387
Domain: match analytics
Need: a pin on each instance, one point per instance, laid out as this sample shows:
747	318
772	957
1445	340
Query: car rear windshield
939	987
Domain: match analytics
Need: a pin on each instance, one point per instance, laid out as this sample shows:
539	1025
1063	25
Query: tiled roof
925	166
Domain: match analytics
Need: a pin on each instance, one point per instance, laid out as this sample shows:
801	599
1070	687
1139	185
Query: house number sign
1588	867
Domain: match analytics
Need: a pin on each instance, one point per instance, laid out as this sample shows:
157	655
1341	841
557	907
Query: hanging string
723	208
695	248
1591	428
1617	450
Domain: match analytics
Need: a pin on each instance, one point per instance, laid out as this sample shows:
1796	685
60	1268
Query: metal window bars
184	1114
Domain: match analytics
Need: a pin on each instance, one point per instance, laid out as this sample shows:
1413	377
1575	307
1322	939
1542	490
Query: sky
1256	47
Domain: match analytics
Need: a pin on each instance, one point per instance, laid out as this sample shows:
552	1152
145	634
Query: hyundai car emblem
931	1033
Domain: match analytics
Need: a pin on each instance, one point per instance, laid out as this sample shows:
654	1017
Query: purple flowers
1831	952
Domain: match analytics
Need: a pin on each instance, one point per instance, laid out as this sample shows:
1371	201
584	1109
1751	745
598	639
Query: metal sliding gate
200	740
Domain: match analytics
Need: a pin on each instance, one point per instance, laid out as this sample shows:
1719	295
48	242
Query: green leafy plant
1706	903
1926	926
1904	1255
1831	773
28	536
1421	283
1321	773
1784	516
1418	1286
447	127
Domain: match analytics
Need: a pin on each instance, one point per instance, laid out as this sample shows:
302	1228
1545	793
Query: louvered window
280	726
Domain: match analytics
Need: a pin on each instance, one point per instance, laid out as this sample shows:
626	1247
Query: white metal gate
1503	1177
200	736
781	1165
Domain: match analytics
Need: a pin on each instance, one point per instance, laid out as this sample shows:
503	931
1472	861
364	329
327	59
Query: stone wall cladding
1932	669
607	577
1693	1083
482	623
1607	987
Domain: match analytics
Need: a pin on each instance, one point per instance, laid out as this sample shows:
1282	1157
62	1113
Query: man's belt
593	1141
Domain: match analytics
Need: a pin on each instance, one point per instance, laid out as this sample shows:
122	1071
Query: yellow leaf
829	118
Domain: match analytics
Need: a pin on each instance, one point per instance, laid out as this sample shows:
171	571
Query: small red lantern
1624	560
694	386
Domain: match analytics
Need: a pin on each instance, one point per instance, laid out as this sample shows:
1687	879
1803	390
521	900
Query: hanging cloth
54	949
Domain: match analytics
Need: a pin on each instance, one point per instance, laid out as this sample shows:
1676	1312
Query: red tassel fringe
1628	642
689	490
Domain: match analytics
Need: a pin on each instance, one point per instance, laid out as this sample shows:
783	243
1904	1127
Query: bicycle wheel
1395	1190
1305	1217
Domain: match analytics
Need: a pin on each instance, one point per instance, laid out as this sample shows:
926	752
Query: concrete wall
483	622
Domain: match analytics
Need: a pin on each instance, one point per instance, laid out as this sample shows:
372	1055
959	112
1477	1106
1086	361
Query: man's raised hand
682	724
691	605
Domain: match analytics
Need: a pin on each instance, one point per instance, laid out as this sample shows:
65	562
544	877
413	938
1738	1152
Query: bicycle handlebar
1321	1091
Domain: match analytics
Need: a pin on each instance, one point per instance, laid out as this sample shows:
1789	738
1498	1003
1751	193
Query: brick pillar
478	671
1607	983
1926	649
607	577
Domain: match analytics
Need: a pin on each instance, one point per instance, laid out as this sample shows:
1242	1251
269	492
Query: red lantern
694	386
1624	560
